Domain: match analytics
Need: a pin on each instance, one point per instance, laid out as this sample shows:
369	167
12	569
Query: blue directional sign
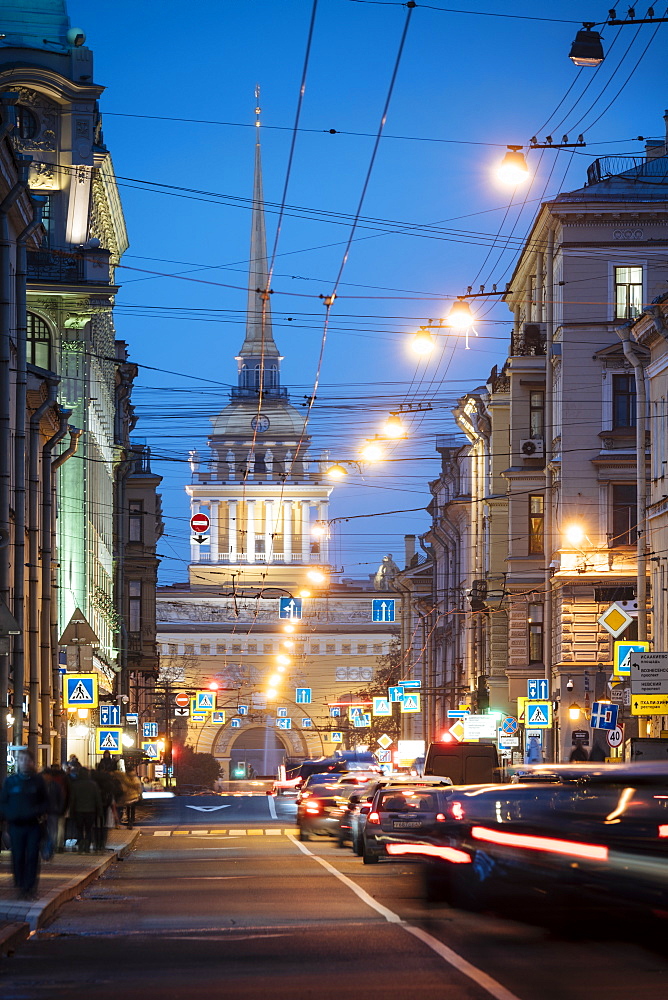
410	684
110	715
218	718
151	749
382	610
80	691
235	723
149	730
281	712
603	715
242	709
538	689
109	738
410	702
456	713
382	706
132	718
354	711
303	696
290	608
395	694
284	723
335	711
538	714
337	737
307	723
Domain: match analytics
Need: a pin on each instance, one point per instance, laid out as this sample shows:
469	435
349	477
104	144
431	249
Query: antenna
258	109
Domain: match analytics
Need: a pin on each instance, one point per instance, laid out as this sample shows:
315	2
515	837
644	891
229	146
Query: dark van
463	763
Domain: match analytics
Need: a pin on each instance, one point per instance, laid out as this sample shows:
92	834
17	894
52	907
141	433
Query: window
172	648
378	648
220	649
623	401
26	126
134	606
628	292
189	650
236	647
267	648
204	650
536	524
330	647
315	648
47	220
345	648
536	414
252	648
361	649
624	514
535	633
39	342
136	521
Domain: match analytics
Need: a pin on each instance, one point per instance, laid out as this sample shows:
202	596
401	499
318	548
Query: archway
260	749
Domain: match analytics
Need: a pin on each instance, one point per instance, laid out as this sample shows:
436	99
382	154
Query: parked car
400	812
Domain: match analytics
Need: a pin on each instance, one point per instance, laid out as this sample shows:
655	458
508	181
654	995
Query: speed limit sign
615	736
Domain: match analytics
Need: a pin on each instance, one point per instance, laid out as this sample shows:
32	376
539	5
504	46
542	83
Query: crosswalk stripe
268	832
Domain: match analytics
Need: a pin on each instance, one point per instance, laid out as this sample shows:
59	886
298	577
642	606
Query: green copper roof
35	24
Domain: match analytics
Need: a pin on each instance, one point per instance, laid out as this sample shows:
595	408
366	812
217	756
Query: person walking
133	793
105	782
107	762
56	774
85	808
24	803
57	805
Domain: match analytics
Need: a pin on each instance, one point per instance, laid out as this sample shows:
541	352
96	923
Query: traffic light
239	770
482	694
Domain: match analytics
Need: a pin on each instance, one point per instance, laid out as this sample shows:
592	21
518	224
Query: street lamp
460	315
574	712
587	49
371	451
574	534
422	342
513	169
337	471
394	427
316	576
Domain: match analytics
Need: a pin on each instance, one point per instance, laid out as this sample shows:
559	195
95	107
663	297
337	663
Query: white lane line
494	988
272	806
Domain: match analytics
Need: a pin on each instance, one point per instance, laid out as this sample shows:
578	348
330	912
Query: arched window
39	342
26	123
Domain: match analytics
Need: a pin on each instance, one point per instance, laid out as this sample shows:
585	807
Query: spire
259	346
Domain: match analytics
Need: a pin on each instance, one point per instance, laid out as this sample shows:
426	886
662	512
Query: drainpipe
624	334
450	539
548	436
33	576
20	418
48	603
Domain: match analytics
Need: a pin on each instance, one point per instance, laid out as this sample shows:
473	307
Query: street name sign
655	704
80	691
580	736
479	727
649	673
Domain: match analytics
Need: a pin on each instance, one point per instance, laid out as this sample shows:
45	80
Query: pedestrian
85	808
107	762
24	803
133	793
578	754
105	782
57	774
57	805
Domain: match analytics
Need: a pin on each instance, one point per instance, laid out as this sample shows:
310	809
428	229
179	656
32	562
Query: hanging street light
394	427
513	169
316	576
460	315
337	472
587	48
422	342
371	451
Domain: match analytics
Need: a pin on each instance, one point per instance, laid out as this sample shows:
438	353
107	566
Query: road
245	910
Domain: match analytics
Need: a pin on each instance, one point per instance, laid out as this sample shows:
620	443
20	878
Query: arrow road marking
208	809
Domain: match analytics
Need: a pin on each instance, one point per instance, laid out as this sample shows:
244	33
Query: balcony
530	341
70	266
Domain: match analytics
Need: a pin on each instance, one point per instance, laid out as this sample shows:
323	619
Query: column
214	530
306	531
250	531
268	530
232	530
323	511
287	530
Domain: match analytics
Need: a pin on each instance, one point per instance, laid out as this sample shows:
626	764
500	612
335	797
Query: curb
11	936
46	907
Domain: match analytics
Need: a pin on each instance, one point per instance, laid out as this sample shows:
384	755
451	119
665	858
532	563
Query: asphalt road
195	913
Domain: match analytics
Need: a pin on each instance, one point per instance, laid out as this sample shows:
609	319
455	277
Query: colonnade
225	546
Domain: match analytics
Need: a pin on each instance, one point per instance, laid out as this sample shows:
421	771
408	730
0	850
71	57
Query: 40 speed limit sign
615	737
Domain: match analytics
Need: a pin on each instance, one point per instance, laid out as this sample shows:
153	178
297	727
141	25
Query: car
319	811
354	814
315	781
588	836
399	812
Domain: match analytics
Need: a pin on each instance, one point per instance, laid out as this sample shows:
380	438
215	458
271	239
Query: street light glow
574	712
422	342
371	451
316	576
513	169
460	316
574	534
337	471
283	659
393	427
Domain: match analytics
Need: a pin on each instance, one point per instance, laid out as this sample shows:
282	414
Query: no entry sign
199	523
182	699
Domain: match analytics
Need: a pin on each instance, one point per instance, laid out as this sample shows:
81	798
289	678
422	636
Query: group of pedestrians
43	811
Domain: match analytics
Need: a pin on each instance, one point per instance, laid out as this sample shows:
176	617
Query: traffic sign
362	721
410	684
182	699
479	727
109	738
538	689
307	723
509	726
284	723
615	737
656	704
242	709
457	730
80	691
384	756
110	715
395	694
205	701
282	713
335	711
354	711
132	718
508	741
181	713
580	736
621	661
149	730
337	737
457	713
538	714
382	706
603	715
384	741
649	673
235	723
382	610
410	702
290	608
303	696
615	620
150	748
199	524
218	718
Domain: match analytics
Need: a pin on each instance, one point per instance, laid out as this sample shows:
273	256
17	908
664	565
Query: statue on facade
385	573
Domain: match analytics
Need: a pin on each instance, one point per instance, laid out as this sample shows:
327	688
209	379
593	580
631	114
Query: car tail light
663	830
457	810
593	852
313	808
374	818
440	818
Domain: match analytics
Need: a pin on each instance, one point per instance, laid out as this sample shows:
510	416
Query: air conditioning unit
533	448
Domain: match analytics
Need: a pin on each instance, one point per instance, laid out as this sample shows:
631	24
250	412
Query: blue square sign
303	696
290	608
382	610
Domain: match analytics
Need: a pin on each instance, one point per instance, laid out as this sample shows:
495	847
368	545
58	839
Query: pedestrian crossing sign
382	706
410	702
538	714
150	748
205	701
109	738
80	691
337	737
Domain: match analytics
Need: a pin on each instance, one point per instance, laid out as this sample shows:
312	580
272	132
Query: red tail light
440	818
313	808
374	818
457	810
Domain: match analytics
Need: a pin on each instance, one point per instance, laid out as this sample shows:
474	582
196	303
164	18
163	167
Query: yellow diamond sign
457	730
615	620
385	741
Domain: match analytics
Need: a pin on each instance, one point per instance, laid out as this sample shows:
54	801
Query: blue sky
480	82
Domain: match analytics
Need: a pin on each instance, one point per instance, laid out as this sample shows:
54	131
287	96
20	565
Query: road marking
162	833
272	806
494	988
234	832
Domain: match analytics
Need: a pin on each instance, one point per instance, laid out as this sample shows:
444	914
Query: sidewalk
60	879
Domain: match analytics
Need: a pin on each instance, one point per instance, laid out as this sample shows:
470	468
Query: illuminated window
535	633
536	524
536	414
628	292
39	342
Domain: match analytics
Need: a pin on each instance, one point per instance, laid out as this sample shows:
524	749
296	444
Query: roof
42	24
